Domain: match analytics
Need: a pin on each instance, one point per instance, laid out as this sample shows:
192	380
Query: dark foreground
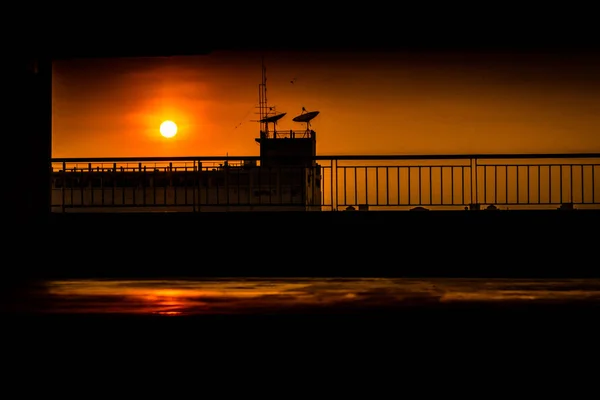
534	244
487	244
471	335
301	327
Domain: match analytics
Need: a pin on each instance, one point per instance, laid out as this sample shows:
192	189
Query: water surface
180	297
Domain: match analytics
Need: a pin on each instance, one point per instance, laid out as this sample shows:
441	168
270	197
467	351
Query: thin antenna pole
262	97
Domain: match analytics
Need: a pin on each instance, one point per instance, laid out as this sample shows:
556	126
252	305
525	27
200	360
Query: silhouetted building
286	178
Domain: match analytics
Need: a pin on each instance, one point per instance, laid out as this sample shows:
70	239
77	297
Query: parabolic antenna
306	117
273	118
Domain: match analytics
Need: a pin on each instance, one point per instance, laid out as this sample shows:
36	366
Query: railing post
476	182
62	187
198	208
474	203
334	165
194	174
226	172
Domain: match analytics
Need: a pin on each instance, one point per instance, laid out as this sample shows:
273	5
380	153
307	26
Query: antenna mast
262	99
266	116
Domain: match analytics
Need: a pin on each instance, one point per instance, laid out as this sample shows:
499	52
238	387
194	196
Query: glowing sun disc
168	129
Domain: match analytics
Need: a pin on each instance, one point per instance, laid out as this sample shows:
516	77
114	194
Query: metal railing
360	182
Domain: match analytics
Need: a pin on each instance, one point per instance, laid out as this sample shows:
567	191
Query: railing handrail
335	157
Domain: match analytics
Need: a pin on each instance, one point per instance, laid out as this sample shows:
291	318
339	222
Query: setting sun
168	129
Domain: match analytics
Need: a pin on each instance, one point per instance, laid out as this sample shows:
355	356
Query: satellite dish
273	118
306	117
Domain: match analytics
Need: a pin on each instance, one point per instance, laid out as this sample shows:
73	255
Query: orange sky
370	103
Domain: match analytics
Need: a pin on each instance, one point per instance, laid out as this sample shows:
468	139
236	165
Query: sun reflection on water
234	296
